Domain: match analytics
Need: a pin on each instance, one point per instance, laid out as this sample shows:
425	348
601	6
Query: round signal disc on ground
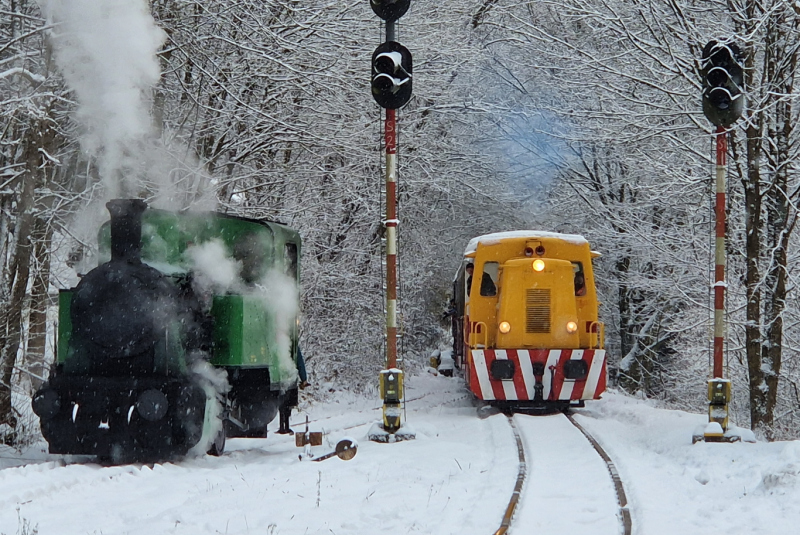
346	449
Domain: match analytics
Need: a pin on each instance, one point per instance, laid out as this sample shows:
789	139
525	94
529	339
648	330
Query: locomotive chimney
126	228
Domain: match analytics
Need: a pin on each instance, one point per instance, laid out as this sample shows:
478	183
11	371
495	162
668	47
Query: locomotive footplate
120	417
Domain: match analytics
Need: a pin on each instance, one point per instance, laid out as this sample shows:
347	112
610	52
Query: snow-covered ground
676	487
456	477
563	468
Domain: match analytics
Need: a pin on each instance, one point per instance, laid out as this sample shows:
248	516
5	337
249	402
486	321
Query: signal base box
719	391
391	385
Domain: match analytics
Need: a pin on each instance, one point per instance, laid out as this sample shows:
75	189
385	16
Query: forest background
574	116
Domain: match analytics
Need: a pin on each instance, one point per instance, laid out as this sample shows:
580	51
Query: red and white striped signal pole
723	103
719	388
390	140
719	252
391	88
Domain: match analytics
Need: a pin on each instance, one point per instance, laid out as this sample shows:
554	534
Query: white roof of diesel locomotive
497	237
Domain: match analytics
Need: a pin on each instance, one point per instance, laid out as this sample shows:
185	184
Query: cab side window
489	279
580	279
290	256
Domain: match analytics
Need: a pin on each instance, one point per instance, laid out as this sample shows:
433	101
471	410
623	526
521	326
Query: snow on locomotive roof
491	239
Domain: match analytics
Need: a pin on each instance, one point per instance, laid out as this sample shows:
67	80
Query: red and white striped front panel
521	387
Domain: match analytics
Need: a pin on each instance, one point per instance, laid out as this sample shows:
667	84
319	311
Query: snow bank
455	478
677	487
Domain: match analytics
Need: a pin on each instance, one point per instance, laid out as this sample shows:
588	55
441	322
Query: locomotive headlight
572	327
538	265
504	327
576	369
152	405
46	404
502	369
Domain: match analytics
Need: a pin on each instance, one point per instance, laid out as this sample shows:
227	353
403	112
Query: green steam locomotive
186	334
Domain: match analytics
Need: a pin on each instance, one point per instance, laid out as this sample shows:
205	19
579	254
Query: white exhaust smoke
107	51
215	271
280	296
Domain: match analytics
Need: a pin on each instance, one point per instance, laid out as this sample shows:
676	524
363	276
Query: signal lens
572	327
505	327
538	265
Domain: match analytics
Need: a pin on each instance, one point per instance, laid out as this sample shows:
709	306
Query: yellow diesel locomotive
526	328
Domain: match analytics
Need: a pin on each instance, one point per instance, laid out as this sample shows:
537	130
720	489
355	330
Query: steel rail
625	514
521	473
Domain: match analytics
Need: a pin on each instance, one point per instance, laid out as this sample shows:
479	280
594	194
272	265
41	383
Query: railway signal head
723	80
390	10
391	75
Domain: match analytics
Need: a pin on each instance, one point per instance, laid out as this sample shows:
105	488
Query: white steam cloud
279	292
216	272
214	382
213	269
106	50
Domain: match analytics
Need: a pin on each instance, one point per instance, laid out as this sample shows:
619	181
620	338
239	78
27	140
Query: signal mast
723	103
391	88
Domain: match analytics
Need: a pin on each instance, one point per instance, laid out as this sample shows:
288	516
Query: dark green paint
244	328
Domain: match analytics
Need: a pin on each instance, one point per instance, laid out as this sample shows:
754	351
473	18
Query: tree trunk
11	320
40	135
35	361
623	303
768	207
752	197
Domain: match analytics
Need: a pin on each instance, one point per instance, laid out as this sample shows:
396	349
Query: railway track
562	473
624	512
